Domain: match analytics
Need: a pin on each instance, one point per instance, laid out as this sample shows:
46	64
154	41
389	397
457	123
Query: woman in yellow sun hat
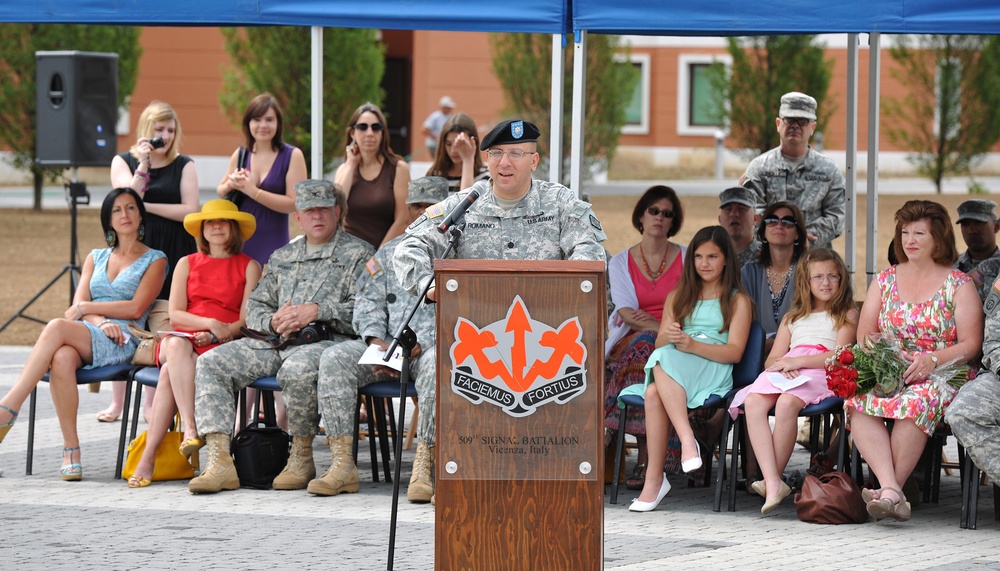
208	305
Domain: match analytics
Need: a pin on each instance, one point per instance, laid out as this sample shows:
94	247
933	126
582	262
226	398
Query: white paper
374	355
176	334
784	383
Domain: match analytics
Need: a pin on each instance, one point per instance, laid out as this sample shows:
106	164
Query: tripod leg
74	272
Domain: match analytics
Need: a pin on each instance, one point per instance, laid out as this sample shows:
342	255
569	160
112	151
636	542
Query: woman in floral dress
933	311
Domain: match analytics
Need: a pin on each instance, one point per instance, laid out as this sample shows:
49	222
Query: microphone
459	211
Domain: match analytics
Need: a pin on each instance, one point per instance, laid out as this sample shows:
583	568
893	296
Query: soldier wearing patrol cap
515	217
981	260
738	215
382	305
309	280
796	173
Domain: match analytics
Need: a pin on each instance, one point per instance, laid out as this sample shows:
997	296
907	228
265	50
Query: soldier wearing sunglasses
796	173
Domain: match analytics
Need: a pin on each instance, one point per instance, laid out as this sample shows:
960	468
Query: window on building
696	96
637	109
948	97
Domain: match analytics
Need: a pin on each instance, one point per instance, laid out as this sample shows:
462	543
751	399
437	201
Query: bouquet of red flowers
877	367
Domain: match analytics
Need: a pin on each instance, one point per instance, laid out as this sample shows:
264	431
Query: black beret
511	131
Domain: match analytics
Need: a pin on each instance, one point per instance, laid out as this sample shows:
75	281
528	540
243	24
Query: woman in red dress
208	302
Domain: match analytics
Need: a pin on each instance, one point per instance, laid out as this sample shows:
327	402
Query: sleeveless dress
699	377
455	182
272	226
165	235
813	334
215	288
625	364
923	326
107	352
371	208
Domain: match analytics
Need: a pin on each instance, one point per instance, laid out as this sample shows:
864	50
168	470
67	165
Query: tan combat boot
220	473
300	467
421	487
342	477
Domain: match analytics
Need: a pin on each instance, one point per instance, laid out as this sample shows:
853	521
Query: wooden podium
520	415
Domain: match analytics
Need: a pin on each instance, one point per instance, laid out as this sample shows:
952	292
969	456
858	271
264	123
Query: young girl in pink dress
822	317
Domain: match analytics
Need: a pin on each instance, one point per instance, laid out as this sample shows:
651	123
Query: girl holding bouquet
822	317
933	313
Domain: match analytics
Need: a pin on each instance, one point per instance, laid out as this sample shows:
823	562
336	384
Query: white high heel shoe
638	506
692	464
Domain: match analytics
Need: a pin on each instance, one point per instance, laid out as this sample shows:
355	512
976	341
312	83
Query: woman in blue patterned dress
118	285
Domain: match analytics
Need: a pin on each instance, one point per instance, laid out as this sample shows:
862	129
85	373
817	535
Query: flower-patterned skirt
924	403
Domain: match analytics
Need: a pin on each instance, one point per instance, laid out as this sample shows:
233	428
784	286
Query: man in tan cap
798	174
309	281
978	219
434	123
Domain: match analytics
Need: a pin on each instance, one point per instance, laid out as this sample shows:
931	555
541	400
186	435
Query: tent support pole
851	158
316	87
874	93
556	121
579	98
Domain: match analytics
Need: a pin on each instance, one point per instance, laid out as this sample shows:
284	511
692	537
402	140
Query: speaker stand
76	193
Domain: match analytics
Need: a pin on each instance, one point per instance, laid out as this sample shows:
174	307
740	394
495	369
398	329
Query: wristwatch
934	358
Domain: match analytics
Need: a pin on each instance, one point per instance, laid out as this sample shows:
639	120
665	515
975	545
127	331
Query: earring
111	238
763	240
796	243
142	232
640	228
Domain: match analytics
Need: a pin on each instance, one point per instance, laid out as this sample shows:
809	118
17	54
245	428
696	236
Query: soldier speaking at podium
514	218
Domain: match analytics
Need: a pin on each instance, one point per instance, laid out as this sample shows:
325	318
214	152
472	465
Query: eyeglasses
832	278
654	211
786	221
513	154
796	121
376	127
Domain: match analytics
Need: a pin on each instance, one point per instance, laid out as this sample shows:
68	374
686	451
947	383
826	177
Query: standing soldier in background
794	172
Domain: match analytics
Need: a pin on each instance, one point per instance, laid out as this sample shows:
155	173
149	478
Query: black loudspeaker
76	96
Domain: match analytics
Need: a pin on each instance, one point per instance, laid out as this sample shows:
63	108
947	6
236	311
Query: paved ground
100	523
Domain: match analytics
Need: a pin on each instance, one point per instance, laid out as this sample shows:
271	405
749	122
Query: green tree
523	65
277	59
950	116
18	44
765	68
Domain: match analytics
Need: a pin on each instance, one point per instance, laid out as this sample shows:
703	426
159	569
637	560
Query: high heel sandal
191	445
137	481
5	428
72	472
883	507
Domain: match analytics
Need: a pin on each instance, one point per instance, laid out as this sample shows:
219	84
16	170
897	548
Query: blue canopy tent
774	17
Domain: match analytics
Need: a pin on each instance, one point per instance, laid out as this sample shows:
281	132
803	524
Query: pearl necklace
778	286
645	266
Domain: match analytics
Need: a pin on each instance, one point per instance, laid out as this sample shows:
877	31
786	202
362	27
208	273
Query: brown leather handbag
831	498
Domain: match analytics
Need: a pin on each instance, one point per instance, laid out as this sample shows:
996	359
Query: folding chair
145	376
752	360
375	395
83	377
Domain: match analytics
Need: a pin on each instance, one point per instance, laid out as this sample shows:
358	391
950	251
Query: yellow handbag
170	463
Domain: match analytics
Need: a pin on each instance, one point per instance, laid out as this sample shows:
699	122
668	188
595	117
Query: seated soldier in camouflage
974	413
312	280
382	305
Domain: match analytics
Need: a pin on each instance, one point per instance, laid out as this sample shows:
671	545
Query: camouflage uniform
327	277
974	414
549	223
381	307
749	254
816	186
983	273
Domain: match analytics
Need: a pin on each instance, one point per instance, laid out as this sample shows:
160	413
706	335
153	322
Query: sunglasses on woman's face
376	127
654	211
786	221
